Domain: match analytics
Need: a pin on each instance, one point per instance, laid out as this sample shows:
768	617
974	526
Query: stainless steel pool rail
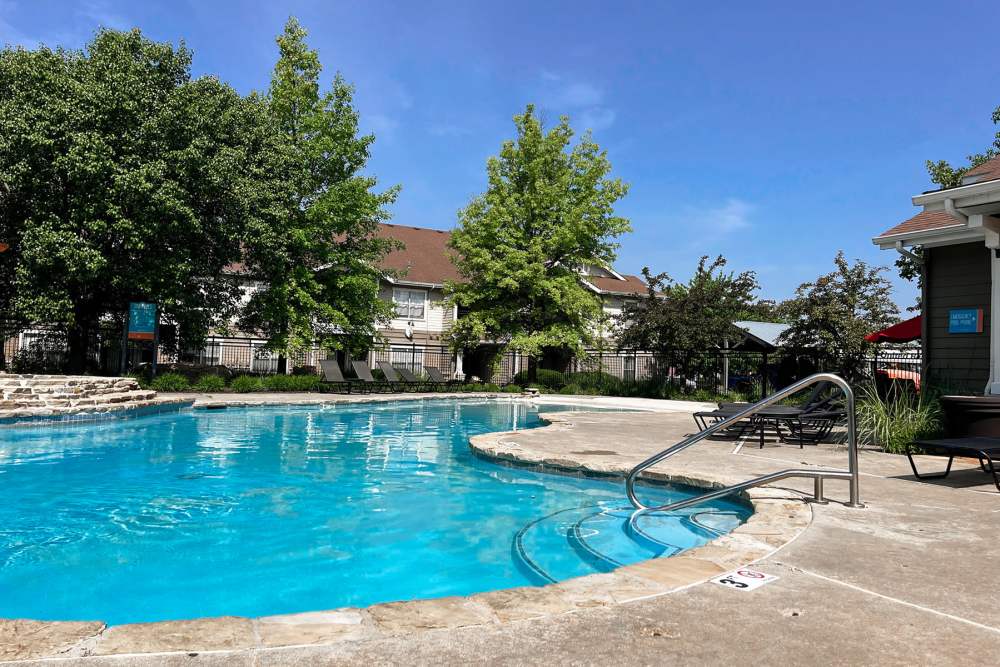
851	474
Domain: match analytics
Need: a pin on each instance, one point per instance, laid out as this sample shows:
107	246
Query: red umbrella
903	332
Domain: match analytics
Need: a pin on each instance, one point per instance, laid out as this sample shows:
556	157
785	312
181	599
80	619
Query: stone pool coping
779	517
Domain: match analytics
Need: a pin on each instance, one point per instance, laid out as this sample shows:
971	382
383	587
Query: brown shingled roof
631	284
987	171
923	222
425	258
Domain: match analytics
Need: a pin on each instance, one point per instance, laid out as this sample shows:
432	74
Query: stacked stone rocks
41	395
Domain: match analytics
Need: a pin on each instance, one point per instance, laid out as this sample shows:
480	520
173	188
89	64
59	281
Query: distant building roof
425	260
763	333
627	285
987	171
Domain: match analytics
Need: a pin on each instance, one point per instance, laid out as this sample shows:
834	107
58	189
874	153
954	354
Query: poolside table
984	449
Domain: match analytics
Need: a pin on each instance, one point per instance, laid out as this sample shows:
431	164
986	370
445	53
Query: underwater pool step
577	541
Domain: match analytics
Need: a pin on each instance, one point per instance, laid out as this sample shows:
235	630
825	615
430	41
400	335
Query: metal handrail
850	474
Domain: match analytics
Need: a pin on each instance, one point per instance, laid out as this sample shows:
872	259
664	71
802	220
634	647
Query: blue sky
774	133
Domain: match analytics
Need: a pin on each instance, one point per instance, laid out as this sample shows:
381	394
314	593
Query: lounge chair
411	380
812	421
438	378
987	450
366	379
333	376
392	377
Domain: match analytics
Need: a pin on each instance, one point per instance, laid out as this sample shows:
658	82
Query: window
409	303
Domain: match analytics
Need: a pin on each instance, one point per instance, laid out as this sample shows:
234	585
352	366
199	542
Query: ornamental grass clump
893	421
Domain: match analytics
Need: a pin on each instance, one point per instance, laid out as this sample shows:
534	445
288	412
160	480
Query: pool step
577	541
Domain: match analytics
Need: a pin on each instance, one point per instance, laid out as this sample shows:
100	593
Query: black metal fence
750	374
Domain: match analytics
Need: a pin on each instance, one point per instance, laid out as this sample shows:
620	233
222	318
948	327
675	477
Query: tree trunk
78	337
532	370
282	364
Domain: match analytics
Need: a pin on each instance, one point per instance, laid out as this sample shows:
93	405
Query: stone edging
778	518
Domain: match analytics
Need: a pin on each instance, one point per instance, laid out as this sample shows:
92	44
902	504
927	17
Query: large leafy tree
681	320
548	211
833	314
316	251
121	178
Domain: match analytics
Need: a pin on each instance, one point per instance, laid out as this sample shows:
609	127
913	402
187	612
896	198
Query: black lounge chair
411	380
366	379
812	421
333	376
438	378
392	377
984	449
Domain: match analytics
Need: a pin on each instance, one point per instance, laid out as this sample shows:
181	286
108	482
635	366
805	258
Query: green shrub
244	384
170	382
545	377
210	383
141	379
489	386
291	383
595	380
511	389
894	421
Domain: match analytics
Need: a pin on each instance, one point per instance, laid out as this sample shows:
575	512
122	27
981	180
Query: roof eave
974	189
923	237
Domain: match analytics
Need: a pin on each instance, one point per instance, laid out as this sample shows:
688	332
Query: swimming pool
271	510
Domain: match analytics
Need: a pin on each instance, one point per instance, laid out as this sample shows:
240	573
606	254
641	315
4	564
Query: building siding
958	276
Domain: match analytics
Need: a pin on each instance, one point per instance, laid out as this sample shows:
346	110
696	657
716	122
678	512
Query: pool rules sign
744	579
141	321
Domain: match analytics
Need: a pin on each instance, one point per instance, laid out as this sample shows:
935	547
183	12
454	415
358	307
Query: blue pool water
259	511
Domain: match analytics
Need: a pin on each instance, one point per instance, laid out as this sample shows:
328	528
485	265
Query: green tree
316	251
121	178
833	314
682	320
548	212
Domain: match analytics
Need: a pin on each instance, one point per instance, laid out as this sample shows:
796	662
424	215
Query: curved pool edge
778	518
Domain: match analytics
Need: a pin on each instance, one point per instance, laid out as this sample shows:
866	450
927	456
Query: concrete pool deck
907	580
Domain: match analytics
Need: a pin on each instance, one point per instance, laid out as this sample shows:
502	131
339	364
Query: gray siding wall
958	276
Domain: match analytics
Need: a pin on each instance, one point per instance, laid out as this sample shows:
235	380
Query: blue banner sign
965	320
141	321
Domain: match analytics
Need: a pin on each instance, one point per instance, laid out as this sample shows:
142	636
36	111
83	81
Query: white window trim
396	303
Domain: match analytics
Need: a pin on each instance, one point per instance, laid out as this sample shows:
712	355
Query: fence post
763	376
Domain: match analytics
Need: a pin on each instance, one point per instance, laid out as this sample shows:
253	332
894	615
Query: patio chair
811	421
410	379
987	450
366	379
332	375
438	378
392	376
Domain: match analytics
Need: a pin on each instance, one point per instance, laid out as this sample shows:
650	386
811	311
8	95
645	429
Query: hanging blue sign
965	320
141	321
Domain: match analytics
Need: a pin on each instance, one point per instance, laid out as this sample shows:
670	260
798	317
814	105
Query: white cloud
730	217
99	13
384	127
575	95
449	130
583	101
597	118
